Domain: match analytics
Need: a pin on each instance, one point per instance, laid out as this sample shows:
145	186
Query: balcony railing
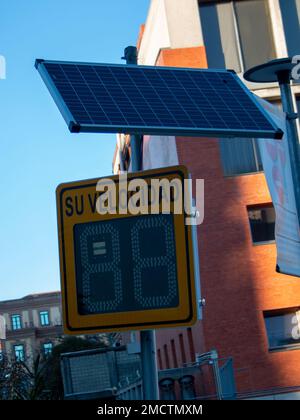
31	329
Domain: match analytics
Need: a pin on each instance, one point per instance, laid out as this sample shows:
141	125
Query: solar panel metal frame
76	127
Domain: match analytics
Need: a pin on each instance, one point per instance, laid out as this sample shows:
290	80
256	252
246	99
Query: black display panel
126	264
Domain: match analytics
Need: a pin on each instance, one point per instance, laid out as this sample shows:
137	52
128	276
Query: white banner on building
276	163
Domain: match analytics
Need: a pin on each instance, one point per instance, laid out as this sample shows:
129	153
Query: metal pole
149	365
148	341
216	370
292	137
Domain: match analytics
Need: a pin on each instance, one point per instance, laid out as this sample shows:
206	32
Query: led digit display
116	274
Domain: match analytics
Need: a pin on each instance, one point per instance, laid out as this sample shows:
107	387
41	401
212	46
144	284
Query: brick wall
238	279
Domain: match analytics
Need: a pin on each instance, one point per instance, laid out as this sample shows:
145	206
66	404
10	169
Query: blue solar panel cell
155	100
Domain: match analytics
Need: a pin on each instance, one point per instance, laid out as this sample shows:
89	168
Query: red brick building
250	309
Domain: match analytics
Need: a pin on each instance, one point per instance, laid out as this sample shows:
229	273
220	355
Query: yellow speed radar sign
126	259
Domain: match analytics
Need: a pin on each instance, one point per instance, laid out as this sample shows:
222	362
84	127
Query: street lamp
281	71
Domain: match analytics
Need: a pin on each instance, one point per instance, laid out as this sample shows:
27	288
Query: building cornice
31	302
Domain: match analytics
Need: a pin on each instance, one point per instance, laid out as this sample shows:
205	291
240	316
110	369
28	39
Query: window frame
288	26
238	37
281	312
260	207
237	33
23	352
255	149
239	40
46	352
16	326
42	316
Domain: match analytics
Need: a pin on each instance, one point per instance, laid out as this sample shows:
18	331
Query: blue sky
37	151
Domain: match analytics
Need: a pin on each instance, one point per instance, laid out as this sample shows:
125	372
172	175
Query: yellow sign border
74	323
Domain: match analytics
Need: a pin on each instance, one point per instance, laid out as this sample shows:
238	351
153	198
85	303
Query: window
167	360
44	318
283	329
191	344
240	156
255	32
182	349
16	322
290	12
159	358
47	348
276	102
219	36
174	354
237	34
19	353
262	223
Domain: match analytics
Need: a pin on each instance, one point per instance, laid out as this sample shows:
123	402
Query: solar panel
155	100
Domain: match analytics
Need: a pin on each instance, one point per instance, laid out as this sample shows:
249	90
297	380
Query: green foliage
12	379
33	386
41	380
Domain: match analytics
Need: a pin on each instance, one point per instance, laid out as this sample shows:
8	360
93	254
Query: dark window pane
44	318
229	38
212	36
283	329
240	156
255	31
290	12
47	348
16	322
276	102
262	223
218	27
19	353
